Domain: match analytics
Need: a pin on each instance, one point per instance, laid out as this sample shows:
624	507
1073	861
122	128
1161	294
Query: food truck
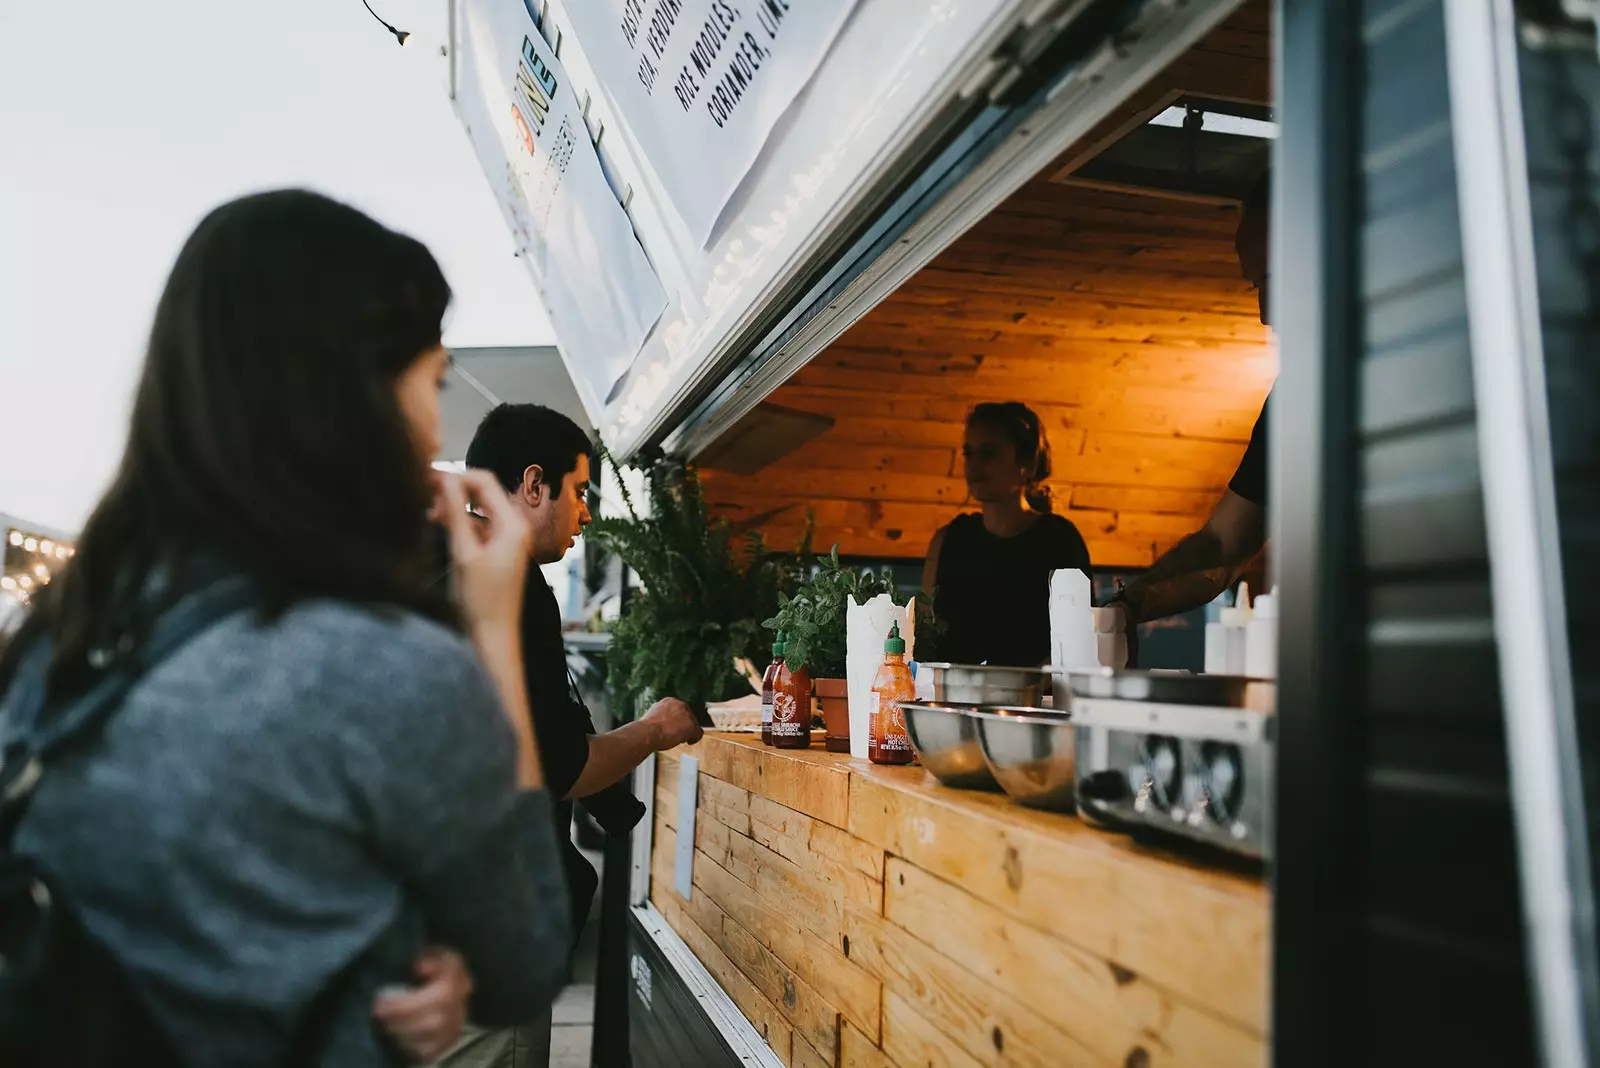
795	243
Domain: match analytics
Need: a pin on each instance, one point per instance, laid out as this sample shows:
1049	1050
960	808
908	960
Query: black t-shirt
993	593
564	725
559	715
1250	478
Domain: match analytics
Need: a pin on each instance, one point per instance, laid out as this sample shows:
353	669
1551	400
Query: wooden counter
867	917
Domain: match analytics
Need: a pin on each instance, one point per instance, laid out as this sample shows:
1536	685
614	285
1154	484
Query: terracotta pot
834	697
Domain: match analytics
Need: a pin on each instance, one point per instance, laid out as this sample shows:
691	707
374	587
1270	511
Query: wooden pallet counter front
867	917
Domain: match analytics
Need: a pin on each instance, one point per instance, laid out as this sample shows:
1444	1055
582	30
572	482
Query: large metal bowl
1162	687
1032	755
983	684
946	740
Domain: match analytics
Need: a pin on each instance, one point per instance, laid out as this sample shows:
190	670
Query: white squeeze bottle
1261	638
1216	662
1234	622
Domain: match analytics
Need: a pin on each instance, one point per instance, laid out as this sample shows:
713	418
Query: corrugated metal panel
1570	318
1443	909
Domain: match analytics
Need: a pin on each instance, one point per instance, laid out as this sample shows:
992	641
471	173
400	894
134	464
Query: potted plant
704	587
814	620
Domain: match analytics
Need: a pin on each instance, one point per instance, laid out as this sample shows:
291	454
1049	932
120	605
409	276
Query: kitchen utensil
1163	687
946	740
1030	751
983	684
1203	774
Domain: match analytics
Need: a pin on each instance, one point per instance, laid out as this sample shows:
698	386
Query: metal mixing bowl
946	740
983	684
1162	687
1032	755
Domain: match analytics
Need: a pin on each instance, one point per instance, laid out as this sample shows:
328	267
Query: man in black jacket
543	458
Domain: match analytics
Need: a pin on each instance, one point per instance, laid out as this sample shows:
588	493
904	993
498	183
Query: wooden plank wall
1121	318
868	918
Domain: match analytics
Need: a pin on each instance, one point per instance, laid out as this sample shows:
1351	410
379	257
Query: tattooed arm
1202	565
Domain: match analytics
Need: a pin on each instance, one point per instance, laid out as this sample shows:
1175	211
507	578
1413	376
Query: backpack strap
38	733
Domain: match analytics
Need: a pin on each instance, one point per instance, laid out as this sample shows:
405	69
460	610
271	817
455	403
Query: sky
122	124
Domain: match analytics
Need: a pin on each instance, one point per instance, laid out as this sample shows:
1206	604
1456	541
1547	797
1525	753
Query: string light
25	582
399	35
42	571
31	545
16	538
8	583
47	547
62	552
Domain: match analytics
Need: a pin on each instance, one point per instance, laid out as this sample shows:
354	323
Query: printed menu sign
701	83
527	128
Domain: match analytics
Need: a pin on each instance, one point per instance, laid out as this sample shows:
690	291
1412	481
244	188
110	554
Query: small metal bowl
1032	755
1162	687
984	684
946	740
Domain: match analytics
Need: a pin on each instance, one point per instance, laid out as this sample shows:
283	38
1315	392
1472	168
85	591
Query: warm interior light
47	546
25	582
42	571
16	537
31	545
8	583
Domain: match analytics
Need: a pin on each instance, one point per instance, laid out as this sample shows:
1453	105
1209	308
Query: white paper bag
866	628
1072	637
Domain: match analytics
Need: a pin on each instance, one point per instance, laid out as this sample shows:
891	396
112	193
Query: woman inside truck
990	570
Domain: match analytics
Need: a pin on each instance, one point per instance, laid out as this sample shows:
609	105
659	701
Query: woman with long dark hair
337	793
990	570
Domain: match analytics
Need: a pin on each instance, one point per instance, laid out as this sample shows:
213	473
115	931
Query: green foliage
705	585
814	617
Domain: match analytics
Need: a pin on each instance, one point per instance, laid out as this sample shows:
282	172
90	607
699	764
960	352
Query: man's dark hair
514	436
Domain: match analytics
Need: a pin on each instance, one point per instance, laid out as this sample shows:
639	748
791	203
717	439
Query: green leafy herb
814	617
704	587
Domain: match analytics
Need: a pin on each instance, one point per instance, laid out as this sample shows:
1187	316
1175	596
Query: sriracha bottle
887	741
791	708
767	681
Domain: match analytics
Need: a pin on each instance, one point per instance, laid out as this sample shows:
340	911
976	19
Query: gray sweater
277	802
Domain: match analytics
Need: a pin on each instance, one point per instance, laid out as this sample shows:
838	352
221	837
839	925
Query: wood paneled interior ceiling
1120	317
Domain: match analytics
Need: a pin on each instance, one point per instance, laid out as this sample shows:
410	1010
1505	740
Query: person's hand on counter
674	724
669	723
426	1021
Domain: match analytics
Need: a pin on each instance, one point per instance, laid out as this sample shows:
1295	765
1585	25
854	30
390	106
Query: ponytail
1040	498
1021	426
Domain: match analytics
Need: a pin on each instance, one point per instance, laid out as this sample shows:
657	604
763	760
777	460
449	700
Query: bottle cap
1235	617
894	643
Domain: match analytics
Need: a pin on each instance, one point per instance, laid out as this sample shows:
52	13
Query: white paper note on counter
866	628
688	798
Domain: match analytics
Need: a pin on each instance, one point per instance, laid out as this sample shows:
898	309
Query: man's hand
673	723
426	1020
